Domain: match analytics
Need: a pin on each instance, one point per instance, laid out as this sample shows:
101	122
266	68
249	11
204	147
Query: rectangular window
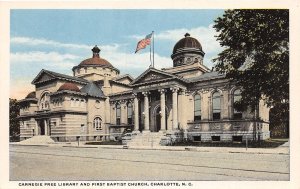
197	138
216	116
118	114
129	121
216	106
197	108
237	115
237	138
129	113
118	121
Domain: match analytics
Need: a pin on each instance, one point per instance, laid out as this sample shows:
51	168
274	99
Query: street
41	163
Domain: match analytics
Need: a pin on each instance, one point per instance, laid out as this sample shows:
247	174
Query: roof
31	95
92	89
172	76
206	76
96	61
59	76
124	76
187	42
69	87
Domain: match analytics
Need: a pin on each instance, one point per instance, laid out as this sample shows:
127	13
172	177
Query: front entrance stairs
38	140
148	139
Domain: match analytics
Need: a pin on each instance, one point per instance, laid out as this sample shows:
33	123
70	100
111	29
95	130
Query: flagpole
153	50
150	56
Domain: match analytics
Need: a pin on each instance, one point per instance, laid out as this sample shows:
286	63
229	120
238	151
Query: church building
187	101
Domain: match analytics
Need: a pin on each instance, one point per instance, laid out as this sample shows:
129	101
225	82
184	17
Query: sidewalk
278	150
283	149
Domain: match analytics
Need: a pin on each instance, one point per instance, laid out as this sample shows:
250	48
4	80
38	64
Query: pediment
42	76
151	75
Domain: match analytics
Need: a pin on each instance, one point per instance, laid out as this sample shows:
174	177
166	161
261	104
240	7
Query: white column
45	127
174	107
136	113
162	110
146	111
181	105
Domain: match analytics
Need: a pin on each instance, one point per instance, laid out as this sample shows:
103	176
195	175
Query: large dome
187	50
69	87
187	42
96	60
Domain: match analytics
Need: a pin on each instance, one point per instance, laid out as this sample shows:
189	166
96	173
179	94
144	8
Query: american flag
143	43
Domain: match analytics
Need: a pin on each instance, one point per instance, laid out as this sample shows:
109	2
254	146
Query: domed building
187	101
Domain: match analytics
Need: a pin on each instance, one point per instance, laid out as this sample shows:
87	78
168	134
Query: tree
14	129
256	56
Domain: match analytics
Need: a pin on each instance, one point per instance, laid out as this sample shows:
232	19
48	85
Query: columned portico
162	109
175	108
146	111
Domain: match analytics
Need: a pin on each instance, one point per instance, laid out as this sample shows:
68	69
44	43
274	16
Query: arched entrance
42	128
155	125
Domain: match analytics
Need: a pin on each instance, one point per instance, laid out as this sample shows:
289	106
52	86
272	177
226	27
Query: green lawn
104	143
270	143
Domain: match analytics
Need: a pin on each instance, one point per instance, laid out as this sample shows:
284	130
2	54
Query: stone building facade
185	101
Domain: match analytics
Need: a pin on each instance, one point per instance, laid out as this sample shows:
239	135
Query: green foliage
14	129
256	55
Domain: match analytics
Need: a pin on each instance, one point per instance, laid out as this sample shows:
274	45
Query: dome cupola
96	60
95	65
187	50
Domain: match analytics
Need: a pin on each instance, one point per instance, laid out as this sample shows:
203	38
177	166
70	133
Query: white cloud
205	35
52	58
40	42
50	43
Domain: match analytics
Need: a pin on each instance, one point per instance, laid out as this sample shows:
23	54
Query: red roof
69	87
97	61
187	42
31	95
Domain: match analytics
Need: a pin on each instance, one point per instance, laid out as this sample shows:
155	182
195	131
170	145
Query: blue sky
60	39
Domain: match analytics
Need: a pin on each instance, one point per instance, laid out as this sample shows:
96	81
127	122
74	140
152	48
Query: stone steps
146	139
36	140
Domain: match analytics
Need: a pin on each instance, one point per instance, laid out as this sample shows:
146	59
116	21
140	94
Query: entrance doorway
155	119
157	125
44	127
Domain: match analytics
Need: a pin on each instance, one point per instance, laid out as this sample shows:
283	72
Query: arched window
77	102
129	113
97	123
72	102
44	102
197	107
216	106
118	114
236	98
